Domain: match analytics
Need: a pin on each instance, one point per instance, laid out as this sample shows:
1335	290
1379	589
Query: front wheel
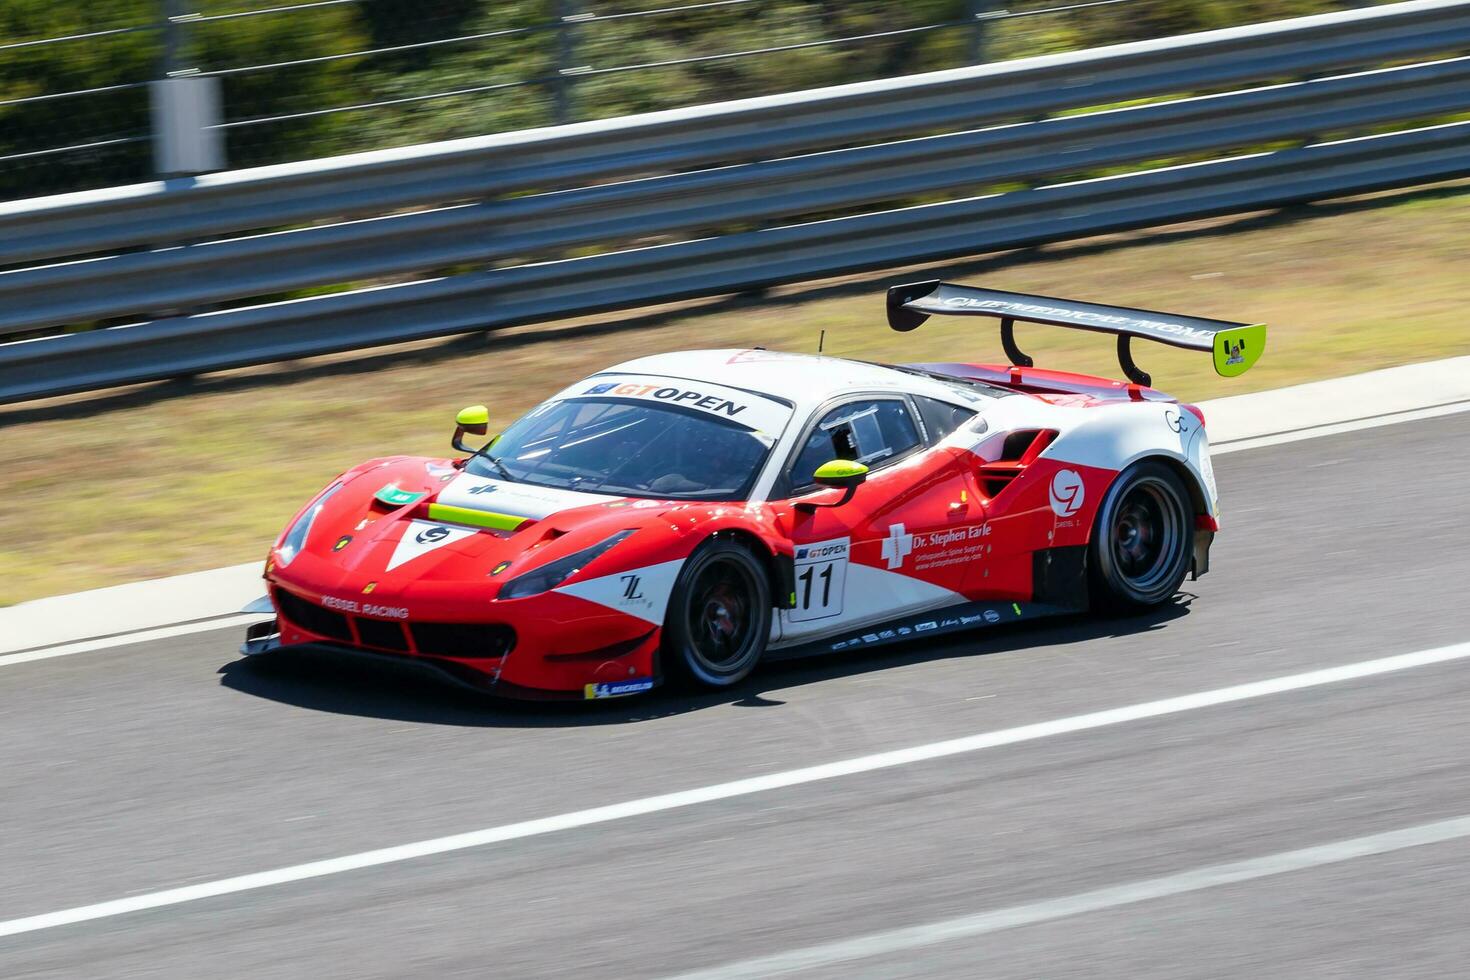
719	616
1142	540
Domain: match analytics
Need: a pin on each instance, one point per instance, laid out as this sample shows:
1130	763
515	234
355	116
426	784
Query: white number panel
821	580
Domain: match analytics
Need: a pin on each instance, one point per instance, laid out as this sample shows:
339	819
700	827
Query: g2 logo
1066	493
429	534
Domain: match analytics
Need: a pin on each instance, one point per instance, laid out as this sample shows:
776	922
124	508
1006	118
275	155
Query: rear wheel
1142	540
719	616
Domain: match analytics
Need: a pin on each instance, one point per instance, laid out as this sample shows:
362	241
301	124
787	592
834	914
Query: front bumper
484	676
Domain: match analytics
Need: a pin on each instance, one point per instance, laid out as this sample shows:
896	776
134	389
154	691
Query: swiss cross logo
897	545
1066	493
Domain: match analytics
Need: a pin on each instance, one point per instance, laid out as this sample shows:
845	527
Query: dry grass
166	479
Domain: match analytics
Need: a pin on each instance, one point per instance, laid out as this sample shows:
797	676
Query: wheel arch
1203	531
768	561
1199	497
1119	436
779	568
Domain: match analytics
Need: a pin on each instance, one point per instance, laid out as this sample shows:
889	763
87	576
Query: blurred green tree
343	77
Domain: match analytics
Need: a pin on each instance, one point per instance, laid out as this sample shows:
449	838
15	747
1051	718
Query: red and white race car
683	516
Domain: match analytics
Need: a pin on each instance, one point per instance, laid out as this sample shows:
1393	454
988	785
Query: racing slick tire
1141	540
719	617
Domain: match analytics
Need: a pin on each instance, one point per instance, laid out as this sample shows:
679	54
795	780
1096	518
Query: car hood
388	524
530	503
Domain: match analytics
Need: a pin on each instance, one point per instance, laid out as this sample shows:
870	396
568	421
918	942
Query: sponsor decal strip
475	518
967	616
759	412
934	549
364	608
1021	310
669	393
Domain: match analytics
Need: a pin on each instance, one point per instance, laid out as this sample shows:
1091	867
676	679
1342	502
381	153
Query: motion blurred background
309	80
324	77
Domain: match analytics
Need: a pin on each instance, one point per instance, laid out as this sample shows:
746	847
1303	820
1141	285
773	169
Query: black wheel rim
1147	528
721	617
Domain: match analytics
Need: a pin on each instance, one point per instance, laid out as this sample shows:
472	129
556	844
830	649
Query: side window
869	432
941	418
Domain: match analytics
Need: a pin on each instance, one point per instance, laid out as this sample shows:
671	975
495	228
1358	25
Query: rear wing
1234	346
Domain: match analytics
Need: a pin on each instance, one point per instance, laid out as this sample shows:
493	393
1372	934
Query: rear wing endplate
1234	346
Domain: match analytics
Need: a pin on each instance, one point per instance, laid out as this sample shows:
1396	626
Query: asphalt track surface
137	769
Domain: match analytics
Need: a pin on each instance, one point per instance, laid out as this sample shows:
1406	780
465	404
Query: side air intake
1019	451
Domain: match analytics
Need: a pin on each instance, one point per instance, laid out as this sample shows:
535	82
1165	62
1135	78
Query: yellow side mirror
474	420
843	474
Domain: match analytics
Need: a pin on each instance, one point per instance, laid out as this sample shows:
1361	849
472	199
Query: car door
899	545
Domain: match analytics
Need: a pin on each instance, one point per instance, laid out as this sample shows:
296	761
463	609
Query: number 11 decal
821	576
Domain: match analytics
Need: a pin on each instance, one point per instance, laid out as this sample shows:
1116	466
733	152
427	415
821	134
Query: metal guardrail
366	183
183	278
755	185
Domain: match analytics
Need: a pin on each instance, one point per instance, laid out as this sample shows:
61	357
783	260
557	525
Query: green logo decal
1238	348
394	497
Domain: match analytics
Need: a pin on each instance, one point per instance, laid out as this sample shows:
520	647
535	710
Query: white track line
1338	428
969	926
127	639
725	791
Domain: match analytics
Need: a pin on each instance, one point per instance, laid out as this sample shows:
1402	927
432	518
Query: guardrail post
186	117
172	32
185	108
566	52
975	11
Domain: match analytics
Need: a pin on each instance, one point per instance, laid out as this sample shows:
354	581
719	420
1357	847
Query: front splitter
262	638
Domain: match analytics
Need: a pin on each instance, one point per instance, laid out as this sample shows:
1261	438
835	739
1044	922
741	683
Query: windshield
630	448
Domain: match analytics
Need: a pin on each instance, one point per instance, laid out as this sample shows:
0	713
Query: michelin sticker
617	689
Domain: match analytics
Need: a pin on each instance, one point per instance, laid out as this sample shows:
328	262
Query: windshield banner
748	409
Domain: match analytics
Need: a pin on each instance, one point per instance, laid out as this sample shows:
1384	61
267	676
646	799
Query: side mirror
842	474
475	420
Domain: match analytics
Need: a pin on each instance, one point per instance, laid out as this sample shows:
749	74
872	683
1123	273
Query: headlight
551	575
295	539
